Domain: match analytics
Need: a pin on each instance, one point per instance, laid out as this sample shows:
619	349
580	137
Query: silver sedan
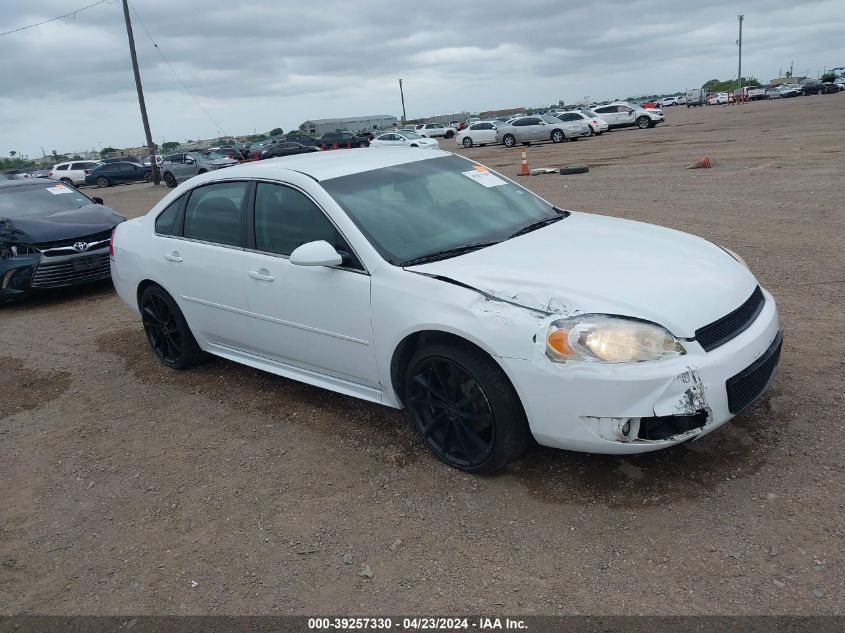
539	128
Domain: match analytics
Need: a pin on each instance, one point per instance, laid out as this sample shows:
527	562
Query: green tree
826	77
716	85
169	145
106	151
276	131
12	153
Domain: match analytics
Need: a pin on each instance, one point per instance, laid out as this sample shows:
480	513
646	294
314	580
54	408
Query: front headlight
609	339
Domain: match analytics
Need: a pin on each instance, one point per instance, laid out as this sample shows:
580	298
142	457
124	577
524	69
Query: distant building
495	114
349	124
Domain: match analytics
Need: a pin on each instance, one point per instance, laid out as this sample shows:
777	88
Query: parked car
404	139
480	133
51	235
179	167
371	274
147	162
435	130
828	87
811	87
621	114
124	159
539	128
116	173
695	97
73	172
342	140
287	149
773	93
720	98
669	101
596	124
789	90
229	152
43	172
302	139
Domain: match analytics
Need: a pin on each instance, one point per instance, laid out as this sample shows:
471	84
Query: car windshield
38	199
425	207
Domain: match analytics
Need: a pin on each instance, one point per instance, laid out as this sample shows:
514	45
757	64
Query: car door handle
173	257
261	275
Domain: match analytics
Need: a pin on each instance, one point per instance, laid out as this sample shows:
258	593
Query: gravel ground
130	488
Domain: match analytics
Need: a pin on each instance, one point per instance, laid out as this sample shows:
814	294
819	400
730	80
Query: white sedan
427	281
596	124
404	139
481	133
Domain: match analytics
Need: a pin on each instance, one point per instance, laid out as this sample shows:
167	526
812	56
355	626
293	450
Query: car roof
333	164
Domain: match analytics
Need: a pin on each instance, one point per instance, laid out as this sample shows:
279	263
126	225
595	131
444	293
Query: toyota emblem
80	247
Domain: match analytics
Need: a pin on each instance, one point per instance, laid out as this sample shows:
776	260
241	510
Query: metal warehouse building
349	124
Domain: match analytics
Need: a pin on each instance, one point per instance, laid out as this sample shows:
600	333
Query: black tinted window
213	213
286	219
164	221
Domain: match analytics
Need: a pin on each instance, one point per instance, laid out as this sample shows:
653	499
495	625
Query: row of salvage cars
427	281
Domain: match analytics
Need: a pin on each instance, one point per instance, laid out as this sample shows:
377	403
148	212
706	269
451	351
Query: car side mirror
318	253
97	200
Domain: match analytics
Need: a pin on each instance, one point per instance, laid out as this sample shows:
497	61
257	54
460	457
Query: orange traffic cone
702	163
524	169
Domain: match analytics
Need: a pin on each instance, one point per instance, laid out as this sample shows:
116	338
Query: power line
175	74
71	13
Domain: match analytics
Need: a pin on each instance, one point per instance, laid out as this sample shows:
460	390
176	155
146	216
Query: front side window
286	218
420	208
213	213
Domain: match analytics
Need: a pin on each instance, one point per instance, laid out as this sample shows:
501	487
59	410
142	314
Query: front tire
450	134
467	142
465	409
148	176
509	140
643	122
167	331
102	182
170	180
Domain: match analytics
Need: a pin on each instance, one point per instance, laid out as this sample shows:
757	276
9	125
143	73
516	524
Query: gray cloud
258	64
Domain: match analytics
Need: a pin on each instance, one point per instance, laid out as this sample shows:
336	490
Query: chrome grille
68	272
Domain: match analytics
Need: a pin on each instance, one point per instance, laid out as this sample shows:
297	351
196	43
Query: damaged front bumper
16	276
642	407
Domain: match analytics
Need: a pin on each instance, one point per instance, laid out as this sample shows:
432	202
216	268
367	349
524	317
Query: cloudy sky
258	64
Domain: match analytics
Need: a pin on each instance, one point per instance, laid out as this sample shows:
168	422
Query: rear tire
363	144
465	408
148	176
467	142
643	122
67	181
102	182
509	140
450	134
167	331
558	136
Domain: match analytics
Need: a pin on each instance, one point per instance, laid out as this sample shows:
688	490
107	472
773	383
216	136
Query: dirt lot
130	488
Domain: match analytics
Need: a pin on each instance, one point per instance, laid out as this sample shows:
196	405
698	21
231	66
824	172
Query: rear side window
61	168
164	221
213	213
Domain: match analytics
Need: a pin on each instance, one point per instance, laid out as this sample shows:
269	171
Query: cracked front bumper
16	276
584	406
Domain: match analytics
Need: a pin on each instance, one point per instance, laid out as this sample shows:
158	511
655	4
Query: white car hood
591	263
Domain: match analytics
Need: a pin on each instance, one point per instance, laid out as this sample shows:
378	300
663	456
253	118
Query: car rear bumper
586	406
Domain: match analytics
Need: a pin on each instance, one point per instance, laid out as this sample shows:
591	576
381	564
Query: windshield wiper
447	253
539	224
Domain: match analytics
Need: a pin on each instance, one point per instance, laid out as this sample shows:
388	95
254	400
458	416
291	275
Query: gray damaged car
177	168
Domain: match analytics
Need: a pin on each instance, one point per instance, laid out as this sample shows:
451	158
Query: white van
696	97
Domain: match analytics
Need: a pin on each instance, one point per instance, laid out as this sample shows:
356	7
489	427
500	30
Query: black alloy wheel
465	409
167	331
170	180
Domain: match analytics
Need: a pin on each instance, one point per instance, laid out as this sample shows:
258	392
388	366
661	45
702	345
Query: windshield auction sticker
484	178
57	189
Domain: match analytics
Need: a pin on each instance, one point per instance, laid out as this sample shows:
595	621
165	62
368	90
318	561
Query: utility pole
150	146
402	94
739	69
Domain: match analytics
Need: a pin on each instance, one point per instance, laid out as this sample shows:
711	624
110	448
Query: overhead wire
173	70
58	17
